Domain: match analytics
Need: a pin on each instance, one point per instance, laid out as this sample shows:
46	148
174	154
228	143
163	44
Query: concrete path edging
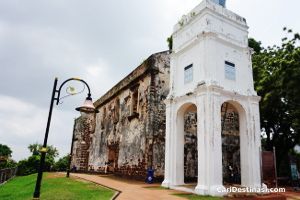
117	192
129	189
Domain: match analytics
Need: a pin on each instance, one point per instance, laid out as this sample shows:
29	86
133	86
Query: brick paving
292	195
131	190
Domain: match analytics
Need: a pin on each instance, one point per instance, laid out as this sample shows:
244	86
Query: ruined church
191	114
127	136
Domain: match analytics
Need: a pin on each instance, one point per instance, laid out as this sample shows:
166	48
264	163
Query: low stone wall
6	174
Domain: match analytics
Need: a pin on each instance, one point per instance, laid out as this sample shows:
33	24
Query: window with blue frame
188	74
229	70
220	2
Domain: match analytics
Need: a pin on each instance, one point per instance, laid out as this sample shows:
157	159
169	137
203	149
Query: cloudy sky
99	41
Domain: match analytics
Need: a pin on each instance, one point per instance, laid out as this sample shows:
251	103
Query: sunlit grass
54	187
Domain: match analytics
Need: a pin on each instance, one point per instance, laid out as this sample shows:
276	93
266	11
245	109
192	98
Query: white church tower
211	75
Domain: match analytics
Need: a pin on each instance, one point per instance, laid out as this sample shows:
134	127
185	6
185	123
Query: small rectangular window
134	96
116	110
134	102
188	74
103	119
229	70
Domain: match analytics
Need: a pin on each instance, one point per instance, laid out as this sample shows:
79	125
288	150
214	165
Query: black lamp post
87	107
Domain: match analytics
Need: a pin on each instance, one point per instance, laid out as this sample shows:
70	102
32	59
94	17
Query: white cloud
19	118
23	123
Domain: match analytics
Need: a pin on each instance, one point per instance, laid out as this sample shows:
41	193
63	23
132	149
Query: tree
62	164
5	157
170	42
276	72
32	163
255	45
5	151
35	148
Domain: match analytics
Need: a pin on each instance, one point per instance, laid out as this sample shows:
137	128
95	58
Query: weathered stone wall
84	127
122	142
130	125
230	144
190	146
159	92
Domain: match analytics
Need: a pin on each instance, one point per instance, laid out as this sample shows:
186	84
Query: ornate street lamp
87	107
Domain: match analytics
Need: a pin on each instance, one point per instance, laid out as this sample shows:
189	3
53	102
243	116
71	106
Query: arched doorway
230	131
187	153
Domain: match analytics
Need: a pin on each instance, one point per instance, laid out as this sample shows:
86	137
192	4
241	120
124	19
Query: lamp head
88	106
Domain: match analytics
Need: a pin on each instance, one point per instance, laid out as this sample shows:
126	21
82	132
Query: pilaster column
245	144
214	143
168	165
201	187
178	146
256	145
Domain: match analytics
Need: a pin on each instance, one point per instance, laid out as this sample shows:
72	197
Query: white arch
208	101
242	135
178	149
249	139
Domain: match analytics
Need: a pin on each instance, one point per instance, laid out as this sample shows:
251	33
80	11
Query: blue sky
99	41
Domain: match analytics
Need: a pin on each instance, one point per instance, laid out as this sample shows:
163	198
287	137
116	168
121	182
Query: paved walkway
137	190
131	190
292	195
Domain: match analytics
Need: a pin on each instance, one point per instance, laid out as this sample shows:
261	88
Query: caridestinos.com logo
250	190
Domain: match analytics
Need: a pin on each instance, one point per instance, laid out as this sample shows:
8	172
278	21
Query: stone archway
190	145
209	141
186	143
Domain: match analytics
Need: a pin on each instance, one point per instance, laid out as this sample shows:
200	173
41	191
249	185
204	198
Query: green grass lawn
54	187
197	197
156	188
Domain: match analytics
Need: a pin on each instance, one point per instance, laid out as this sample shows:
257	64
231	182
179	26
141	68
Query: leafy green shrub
32	164
62	164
